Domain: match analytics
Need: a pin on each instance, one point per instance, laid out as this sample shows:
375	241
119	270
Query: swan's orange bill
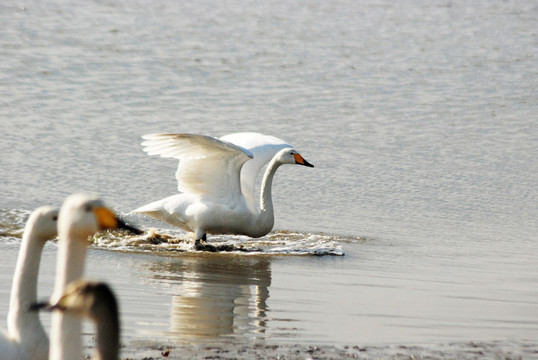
300	160
108	220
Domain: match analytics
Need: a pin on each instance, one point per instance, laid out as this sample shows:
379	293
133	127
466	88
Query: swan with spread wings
216	181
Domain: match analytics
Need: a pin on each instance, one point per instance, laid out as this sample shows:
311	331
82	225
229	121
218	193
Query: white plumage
80	217
216	181
26	338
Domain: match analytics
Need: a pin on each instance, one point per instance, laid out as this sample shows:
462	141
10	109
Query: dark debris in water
204	246
156	238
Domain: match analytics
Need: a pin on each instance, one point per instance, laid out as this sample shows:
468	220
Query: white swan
216	179
96	301
26	338
80	217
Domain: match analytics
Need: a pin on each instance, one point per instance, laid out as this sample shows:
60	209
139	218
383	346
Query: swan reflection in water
216	295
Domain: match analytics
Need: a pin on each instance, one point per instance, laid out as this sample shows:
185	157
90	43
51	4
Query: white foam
276	243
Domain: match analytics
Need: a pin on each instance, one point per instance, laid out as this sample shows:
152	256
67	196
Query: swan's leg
202	245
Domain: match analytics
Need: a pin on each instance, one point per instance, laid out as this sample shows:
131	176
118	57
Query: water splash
12	222
157	240
276	243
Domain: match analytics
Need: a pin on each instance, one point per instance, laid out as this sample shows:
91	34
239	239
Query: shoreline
502	349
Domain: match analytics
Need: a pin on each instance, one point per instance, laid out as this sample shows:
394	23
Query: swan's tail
160	210
147	209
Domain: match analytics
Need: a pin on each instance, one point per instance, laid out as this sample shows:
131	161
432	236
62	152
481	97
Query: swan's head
96	301
291	156
83	215
90	299
43	222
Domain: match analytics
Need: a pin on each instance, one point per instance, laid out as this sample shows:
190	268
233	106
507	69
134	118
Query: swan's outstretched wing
207	166
263	148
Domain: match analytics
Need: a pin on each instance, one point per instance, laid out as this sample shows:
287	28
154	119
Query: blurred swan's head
89	299
83	215
44	223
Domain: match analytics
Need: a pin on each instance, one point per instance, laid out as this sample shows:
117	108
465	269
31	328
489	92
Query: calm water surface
419	116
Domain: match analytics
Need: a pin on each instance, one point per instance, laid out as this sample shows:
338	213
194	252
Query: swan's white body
80	217
216	180
26	338
96	301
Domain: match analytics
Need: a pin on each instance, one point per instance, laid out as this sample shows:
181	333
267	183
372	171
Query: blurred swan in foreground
93	300
216	180
26	338
80	217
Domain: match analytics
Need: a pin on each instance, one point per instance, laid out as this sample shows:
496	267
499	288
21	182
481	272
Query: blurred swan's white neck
22	324
65	342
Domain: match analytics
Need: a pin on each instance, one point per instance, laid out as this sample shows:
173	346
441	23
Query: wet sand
464	351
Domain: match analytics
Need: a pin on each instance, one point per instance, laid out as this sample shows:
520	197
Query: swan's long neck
65	342
108	337
24	289
70	264
266	218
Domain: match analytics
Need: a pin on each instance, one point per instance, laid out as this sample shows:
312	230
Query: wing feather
207	166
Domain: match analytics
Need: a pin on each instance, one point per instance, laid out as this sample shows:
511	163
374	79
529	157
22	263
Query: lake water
419	116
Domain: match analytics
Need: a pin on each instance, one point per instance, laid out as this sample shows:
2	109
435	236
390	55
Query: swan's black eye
88	208
55	218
